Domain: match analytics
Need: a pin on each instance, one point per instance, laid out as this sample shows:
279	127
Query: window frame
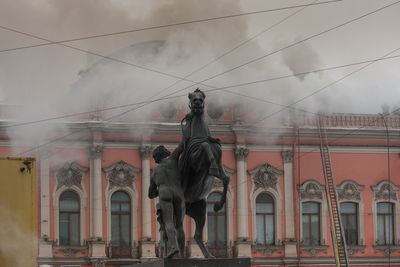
69	219
276	196
82	209
305	197
384	225
120	213
264	215
347	215
380	197
309	215
217	215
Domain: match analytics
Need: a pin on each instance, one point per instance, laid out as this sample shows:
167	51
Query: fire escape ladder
337	231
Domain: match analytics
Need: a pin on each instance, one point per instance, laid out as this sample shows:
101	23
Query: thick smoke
54	80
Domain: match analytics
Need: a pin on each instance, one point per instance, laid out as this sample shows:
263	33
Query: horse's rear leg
197	211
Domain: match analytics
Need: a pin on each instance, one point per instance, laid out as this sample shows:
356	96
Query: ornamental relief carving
71	173
121	174
385	190
349	190
314	250
265	176
311	190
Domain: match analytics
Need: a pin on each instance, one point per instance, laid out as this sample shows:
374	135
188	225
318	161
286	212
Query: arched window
349	214
69	219
385	223
265	220
311	223
120	223
216	223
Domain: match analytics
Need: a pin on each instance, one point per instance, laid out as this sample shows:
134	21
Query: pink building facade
93	208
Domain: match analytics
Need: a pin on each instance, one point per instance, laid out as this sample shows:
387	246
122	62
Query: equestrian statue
194	163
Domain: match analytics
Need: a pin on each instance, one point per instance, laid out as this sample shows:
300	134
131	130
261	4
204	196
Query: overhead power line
201	82
225	88
300	41
328	85
166	25
217	58
280	50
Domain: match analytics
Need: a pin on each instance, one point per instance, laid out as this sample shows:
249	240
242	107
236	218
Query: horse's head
197	102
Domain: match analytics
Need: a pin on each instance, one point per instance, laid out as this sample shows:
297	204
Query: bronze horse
199	163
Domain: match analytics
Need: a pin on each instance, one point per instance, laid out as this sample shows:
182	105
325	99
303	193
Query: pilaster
243	243
97	245
45	244
147	243
290	239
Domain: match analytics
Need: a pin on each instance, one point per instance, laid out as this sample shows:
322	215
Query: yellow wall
17	212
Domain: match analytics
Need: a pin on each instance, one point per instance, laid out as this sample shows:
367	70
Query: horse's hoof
209	256
172	253
218	206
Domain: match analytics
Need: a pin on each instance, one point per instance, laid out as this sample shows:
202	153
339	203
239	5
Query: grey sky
45	79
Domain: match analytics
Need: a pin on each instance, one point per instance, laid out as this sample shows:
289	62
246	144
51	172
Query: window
385	223
311	223
216	222
69	219
265	220
348	213
120	220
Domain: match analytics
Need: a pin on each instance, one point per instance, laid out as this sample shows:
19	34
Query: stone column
147	243
45	244
290	239
243	243
97	248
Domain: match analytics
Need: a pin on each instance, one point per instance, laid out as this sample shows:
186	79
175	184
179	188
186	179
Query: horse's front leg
218	206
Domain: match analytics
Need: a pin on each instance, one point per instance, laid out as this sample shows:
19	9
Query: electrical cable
327	86
249	62
299	42
164	26
209	90
283	48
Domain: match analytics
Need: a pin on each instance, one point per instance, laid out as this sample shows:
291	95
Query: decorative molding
145	151
287	156
265	176
99	263
70	251
387	250
314	250
70	174
241	153
352	250
121	174
267	250
349	190
95	151
385	190
311	190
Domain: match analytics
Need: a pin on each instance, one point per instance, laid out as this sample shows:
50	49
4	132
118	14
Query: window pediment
265	176
349	190
70	174
121	174
311	190
385	190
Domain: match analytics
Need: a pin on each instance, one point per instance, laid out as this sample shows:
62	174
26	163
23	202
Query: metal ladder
337	231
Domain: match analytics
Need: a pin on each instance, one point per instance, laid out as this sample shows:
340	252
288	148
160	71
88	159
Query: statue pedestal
242	262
